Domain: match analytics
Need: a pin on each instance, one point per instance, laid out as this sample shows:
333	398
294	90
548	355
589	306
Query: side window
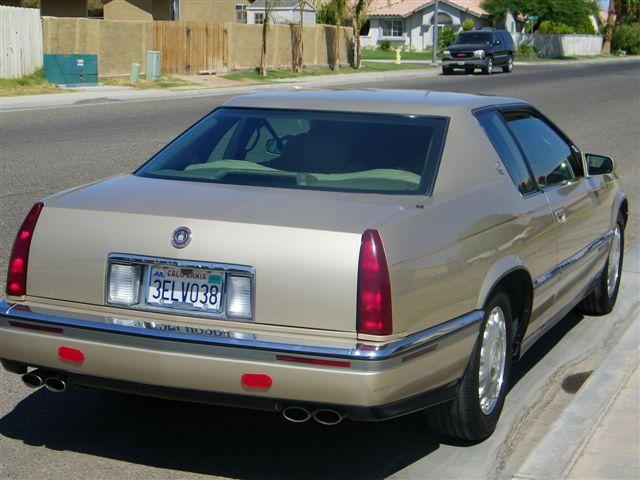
549	155
507	150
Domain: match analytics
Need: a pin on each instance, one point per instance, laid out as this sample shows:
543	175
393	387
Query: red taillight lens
374	287
17	274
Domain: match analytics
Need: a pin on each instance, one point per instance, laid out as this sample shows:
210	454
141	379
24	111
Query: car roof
419	102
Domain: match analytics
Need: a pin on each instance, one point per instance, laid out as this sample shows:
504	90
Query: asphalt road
89	434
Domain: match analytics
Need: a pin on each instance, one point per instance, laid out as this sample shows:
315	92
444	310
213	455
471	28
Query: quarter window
549	155
392	28
507	149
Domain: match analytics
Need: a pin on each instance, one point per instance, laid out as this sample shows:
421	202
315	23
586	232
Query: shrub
384	45
467	25
447	36
555	28
627	38
526	49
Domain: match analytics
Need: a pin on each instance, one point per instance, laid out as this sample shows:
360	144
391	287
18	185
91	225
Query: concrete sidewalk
598	434
108	94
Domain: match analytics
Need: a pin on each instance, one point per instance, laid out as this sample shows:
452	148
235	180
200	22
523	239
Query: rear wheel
488	68
447	70
473	414
602	300
508	68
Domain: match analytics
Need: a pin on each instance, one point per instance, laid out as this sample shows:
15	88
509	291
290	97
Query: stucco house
285	11
410	22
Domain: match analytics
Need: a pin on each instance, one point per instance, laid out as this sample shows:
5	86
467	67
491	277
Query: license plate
185	288
460	63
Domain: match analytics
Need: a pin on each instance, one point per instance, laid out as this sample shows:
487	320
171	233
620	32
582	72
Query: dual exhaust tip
51	381
324	416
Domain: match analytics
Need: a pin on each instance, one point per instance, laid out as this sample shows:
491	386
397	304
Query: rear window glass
306	150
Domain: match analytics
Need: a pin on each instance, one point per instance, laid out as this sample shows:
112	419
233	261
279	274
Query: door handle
561	215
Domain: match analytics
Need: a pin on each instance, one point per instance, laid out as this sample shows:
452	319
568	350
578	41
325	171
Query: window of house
392	28
549	155
259	18
241	13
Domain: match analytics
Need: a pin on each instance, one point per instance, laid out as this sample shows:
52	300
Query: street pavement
94	434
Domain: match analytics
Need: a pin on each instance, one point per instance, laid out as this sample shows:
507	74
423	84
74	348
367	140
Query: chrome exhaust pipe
56	384
35	378
296	414
328	417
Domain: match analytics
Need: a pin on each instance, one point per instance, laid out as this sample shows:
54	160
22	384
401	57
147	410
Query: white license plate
460	63
185	288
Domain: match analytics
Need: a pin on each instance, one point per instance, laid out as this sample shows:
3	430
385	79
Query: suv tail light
19	260
374	287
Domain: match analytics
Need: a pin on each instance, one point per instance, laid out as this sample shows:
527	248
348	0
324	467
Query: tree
574	13
467	25
298	48
608	28
359	15
269	5
337	13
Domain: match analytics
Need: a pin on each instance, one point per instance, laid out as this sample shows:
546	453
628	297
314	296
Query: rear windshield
306	150
473	37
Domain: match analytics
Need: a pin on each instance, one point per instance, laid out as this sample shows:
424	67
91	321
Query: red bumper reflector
31	326
70	354
256	380
313	361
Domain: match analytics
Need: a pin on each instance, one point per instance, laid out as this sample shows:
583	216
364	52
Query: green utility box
71	69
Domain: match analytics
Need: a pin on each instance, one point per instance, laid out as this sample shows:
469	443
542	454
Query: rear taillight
17	274
374	287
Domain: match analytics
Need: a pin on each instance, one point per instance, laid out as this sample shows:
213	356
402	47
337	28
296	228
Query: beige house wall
137	10
209	11
63	8
118	44
121	43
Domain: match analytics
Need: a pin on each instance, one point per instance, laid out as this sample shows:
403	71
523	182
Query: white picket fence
20	41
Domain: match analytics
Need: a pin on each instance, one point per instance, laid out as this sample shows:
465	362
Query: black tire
447	71
463	417
469	70
601	300
488	68
508	67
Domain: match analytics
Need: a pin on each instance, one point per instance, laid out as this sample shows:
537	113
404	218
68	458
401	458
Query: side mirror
599	164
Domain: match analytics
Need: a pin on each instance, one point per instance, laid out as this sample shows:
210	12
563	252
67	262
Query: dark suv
485	49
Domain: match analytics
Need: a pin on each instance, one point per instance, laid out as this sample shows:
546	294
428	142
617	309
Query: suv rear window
306	150
483	38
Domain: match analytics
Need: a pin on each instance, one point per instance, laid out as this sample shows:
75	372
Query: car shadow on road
227	442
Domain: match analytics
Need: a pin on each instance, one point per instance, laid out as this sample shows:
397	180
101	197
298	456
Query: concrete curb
557	452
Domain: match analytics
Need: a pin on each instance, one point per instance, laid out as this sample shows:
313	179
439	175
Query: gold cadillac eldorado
324	255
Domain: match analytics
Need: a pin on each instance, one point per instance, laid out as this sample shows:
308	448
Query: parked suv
485	49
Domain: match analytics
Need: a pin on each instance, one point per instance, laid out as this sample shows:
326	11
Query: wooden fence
191	47
20	41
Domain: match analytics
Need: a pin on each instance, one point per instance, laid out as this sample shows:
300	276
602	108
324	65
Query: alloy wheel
613	273
492	360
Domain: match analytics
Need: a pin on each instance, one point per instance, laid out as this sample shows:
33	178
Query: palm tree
608	28
359	15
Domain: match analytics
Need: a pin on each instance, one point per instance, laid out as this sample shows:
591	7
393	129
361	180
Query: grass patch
273	75
165	81
28	85
391	55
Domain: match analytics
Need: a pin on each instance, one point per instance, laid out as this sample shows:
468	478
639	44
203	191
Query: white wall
567	45
20	41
